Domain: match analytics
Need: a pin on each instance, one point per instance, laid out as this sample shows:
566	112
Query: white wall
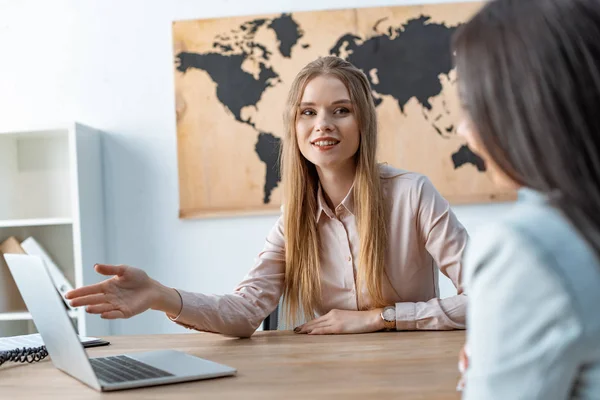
108	63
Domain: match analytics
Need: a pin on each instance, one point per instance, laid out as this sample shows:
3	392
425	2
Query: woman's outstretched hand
130	291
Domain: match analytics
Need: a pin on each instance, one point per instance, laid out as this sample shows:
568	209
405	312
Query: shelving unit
51	182
35	222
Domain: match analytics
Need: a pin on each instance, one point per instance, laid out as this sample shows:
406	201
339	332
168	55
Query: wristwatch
388	315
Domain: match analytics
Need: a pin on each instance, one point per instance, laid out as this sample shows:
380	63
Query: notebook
35	340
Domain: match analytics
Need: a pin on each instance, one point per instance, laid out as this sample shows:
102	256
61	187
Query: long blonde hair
300	184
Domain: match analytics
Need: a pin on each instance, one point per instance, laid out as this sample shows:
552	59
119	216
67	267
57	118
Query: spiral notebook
35	340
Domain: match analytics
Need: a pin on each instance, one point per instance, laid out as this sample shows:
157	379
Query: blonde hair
300	184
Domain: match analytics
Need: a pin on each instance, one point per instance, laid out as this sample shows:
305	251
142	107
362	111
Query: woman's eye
308	112
342	110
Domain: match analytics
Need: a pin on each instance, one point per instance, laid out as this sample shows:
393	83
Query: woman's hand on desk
343	321
129	292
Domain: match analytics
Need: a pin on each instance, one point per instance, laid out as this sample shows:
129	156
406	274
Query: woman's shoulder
401	184
531	227
535	239
539	227
401	179
388	172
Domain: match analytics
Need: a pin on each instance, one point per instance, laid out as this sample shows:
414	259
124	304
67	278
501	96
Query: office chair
270	323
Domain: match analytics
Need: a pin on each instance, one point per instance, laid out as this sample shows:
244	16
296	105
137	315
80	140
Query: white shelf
52	191
11	223
23	316
35	132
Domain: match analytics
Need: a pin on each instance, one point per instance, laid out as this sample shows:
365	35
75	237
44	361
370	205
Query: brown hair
529	73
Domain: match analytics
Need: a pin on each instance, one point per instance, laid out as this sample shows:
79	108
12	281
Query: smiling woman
330	101
357	244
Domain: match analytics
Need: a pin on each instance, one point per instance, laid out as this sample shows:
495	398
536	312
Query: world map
409	63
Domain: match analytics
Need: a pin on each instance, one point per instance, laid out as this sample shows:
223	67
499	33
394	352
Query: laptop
125	371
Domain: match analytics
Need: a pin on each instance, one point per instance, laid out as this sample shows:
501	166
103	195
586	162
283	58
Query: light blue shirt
533	319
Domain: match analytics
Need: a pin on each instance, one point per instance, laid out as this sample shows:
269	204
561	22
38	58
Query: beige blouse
422	231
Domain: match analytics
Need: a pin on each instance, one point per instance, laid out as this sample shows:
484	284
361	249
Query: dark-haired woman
529	73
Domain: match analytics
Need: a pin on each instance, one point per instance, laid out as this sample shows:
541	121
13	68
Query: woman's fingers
463	360
100	308
326	330
461	384
106	269
463	364
89	300
306	328
103	269
311	324
114	314
94	289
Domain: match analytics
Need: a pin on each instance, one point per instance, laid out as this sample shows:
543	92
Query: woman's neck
336	183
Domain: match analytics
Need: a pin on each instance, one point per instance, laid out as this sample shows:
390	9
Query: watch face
389	313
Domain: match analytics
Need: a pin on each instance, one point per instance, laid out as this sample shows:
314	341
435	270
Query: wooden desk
275	365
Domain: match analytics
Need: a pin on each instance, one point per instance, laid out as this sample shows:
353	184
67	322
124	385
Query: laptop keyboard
124	369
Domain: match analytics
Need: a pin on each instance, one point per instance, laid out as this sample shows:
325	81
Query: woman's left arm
445	239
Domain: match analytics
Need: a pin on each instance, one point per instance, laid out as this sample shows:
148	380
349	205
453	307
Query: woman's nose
324	124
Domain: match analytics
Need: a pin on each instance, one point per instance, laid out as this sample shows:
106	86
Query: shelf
10	223
35	132
24	315
52	182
